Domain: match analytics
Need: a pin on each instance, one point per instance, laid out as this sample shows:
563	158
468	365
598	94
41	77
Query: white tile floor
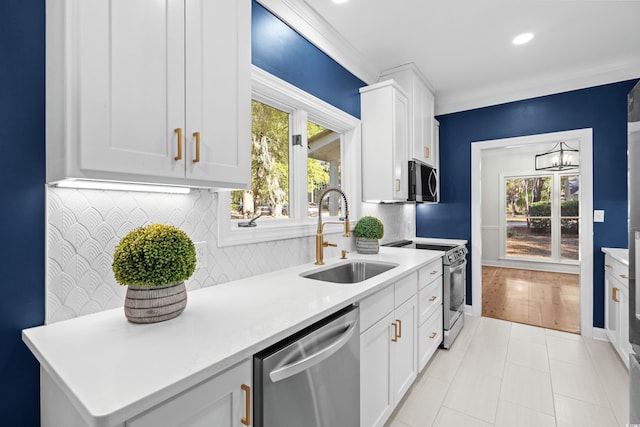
500	373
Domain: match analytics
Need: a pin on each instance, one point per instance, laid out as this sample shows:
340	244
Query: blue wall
603	108
276	48
281	51
22	215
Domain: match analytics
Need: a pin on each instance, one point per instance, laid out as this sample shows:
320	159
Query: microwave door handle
433	183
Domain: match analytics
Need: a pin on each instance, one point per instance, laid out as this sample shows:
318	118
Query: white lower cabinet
616	310
388	349
376	402
223	400
404	364
430	329
429	338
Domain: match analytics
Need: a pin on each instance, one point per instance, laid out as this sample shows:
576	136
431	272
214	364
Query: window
300	147
323	170
269	193
541	217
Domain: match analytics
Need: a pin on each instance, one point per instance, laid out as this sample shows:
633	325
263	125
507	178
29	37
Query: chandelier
561	157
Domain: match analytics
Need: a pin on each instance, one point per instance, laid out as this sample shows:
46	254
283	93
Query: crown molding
308	23
549	84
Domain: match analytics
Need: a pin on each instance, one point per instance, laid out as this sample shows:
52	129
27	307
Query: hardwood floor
539	298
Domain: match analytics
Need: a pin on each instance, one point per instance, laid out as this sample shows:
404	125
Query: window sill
268	230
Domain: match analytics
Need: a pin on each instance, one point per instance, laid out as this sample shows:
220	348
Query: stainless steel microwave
423	183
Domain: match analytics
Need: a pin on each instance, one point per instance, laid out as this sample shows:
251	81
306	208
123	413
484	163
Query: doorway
583	138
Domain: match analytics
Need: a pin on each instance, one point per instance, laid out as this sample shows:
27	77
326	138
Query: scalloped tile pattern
84	227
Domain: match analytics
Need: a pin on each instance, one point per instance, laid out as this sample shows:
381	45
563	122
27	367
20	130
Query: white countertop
621	254
112	369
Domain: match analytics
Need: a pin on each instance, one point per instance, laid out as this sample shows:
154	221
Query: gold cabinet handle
395	332
426	152
246	420
197	135
624	276
434	272
179	132
399	328
608	265
433	298
614	294
397	185
433	335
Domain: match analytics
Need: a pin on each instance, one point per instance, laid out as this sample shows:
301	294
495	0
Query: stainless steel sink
349	272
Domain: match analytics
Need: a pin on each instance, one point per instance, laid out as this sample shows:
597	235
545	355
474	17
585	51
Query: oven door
456	276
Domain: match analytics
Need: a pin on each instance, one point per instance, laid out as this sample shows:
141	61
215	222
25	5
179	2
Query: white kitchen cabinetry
430	329
422	144
388	355
616	310
151	92
404	361
223	400
385	131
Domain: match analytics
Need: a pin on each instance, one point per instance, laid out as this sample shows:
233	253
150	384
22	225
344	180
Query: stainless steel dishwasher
312	378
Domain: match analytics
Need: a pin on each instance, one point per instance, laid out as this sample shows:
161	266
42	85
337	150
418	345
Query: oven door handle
313	359
458	266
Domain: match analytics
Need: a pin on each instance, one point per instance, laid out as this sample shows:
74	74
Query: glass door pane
528	217
570	217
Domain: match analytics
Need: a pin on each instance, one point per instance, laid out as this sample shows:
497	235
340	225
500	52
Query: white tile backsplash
399	219
84	227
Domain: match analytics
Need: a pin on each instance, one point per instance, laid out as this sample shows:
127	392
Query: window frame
302	107
556	217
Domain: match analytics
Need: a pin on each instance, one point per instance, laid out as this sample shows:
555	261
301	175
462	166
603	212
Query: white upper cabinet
131	83
422	145
385	129
219	90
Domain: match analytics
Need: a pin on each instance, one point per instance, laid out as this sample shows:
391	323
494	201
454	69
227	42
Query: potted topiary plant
153	262
368	231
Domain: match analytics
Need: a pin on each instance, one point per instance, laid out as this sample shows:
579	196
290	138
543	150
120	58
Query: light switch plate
598	216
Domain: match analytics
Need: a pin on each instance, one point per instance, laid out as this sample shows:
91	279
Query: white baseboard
468	309
600	334
533	265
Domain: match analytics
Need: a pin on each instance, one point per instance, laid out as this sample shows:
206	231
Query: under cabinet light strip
121	186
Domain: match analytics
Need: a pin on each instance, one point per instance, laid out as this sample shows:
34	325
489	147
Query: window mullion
298	165
555	219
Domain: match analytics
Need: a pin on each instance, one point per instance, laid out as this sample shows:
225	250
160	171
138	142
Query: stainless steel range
454	284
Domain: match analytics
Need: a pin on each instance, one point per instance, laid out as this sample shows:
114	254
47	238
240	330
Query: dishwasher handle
313	359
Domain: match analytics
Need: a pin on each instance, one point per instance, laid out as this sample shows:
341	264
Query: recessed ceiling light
340	1
523	38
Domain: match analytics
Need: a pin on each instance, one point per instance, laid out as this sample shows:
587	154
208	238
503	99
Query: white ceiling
464	49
